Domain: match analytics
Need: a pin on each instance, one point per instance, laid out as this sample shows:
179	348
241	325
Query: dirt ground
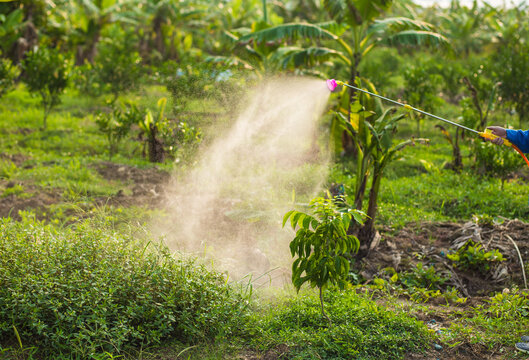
430	242
141	187
147	185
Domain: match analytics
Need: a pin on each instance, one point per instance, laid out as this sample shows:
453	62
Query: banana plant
150	127
10	26
353	32
468	28
374	127
88	18
168	29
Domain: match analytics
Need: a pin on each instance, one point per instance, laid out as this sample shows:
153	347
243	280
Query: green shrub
424	277
164	137
497	161
46	74
88	289
361	329
8	74
116	125
117	69
199	81
472	256
85	80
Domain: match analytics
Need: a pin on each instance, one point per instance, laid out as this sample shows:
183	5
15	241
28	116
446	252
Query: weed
17	190
86	289
423	277
472	256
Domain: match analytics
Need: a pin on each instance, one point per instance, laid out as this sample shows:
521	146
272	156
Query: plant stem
322	308
265	13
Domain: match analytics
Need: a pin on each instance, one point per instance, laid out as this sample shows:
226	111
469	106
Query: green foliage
361	329
10	27
46	73
472	256
7	169
372	128
86	289
117	68
511	62
86	80
8	74
17	190
424	277
422	87
116	125
163	136
211	80
180	139
493	160
321	245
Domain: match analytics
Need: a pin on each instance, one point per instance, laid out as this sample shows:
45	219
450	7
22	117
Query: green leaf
287	215
298	216
418	38
307	221
289	31
293	245
397	24
312	56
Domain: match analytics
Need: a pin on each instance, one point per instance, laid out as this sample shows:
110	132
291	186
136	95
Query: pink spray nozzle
331	84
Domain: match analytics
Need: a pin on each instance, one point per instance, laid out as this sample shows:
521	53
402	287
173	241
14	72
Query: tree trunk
156	151
366	233
322	308
158	36
347	140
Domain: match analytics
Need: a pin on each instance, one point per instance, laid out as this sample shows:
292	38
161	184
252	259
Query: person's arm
520	138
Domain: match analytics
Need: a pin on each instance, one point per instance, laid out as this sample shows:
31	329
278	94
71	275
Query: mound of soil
430	242
147	185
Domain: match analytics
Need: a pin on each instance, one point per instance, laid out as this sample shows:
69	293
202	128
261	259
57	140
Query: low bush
86	290
46	73
360	329
8	74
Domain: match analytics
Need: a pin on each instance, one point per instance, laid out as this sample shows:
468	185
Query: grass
360	329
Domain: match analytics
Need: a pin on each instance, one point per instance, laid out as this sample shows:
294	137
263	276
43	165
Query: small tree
322	245
166	137
117	69
374	127
8	74
116	125
150	126
46	73
422	84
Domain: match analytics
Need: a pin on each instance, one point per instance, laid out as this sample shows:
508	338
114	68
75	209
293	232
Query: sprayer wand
487	134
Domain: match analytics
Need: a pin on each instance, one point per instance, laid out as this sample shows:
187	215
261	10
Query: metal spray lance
487	134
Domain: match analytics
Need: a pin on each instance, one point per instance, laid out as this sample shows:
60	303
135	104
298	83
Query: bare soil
430	242
39	200
141	187
147	185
